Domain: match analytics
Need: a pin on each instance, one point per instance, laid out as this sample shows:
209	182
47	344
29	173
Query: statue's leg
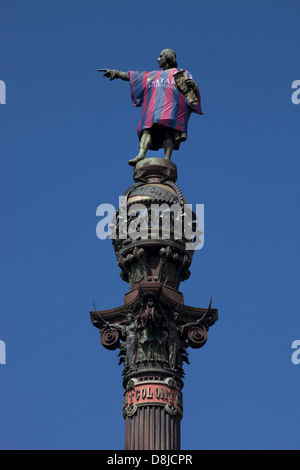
145	144
132	352
172	356
168	144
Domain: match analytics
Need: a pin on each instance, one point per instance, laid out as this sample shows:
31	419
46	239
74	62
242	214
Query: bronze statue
130	331
173	340
168	98
175	333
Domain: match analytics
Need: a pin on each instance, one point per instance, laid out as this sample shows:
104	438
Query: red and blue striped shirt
162	102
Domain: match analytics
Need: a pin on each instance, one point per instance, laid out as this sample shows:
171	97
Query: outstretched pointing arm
112	74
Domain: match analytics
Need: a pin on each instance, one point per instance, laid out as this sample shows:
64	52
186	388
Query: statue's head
167	59
130	317
176	316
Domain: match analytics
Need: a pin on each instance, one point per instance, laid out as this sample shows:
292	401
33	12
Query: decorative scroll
151	313
110	338
197	337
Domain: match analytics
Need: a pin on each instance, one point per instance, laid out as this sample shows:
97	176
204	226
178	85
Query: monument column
153	329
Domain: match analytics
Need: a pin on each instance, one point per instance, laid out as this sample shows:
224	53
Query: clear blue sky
65	137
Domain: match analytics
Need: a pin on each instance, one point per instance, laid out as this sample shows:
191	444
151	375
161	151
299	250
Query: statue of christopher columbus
168	97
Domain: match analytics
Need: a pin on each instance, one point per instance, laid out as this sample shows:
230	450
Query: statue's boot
145	144
134	161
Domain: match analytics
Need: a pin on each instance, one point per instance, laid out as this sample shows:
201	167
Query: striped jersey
162	102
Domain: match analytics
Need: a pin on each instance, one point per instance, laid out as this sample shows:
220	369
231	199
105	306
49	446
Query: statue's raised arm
168	97
113	74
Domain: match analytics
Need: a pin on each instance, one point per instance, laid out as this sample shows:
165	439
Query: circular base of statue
155	170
